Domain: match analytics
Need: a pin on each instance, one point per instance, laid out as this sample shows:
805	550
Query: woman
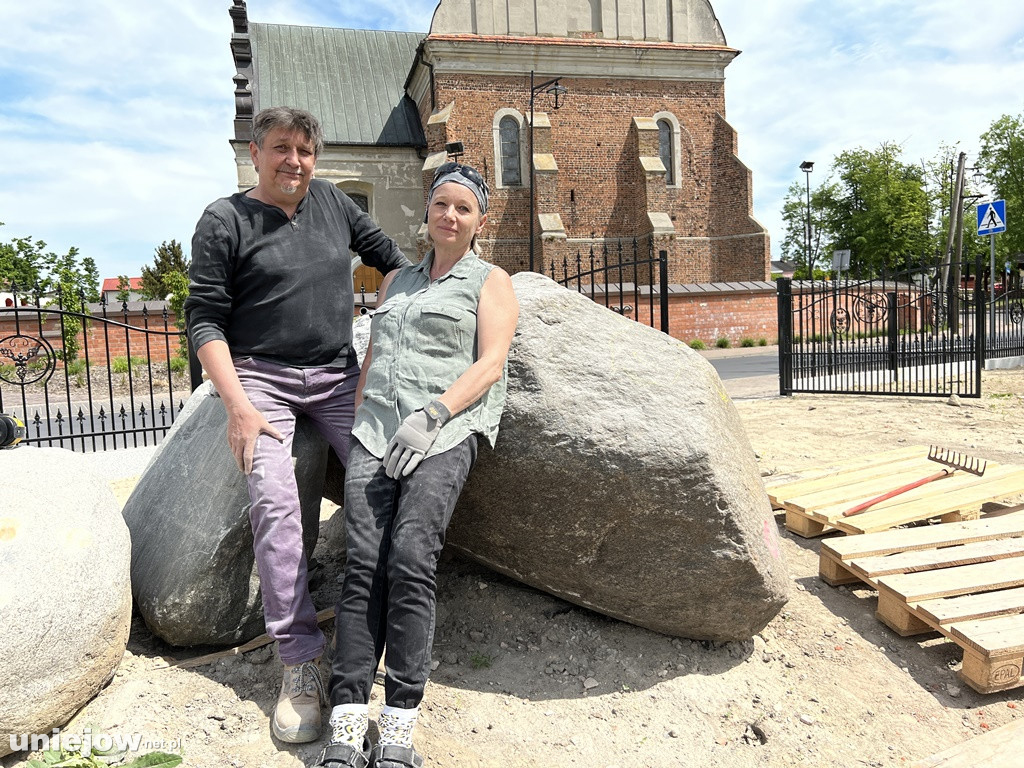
432	381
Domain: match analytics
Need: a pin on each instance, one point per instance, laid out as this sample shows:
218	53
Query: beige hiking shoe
297	715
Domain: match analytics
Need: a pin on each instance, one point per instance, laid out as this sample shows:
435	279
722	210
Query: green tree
1002	161
20	263
879	209
70	280
124	288
178	283
871	203
167	260
26	263
794	243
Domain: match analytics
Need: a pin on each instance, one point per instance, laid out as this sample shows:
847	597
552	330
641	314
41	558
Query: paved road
747	373
745	366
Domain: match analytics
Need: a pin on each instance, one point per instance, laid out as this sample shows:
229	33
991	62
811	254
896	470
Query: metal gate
899	334
623	280
83	380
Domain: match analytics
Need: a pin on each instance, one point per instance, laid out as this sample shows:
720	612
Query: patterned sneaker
297	715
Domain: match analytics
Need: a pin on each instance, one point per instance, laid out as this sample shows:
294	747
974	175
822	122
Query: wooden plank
924	537
959	493
802	525
947	557
861	489
945	610
834	573
894	612
1001	636
913	587
776	482
913	465
988	675
1000	748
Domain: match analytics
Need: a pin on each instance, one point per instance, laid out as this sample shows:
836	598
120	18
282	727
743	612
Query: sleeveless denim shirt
424	337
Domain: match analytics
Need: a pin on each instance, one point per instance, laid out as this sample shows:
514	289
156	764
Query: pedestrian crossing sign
992	217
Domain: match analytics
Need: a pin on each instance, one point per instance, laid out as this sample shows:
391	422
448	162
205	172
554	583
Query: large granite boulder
622	479
193	574
64	593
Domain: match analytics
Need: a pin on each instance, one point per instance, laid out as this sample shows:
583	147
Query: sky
115	116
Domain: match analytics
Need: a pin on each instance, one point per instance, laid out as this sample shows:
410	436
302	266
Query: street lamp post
553	87
807	166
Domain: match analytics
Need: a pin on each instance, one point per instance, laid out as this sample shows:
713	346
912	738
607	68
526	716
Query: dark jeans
395	530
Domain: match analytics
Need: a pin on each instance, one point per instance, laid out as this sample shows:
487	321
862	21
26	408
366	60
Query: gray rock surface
622	479
193	574
65	599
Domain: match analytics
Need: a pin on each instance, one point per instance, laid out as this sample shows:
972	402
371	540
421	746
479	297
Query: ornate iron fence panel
632	281
899	334
84	380
1005	317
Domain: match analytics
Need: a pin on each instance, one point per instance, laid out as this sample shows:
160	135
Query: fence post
663	282
894	334
784	303
980	331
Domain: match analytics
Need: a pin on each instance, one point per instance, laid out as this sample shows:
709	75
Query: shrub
178	364
698	344
76	367
723	343
762	342
747	343
119	365
480	661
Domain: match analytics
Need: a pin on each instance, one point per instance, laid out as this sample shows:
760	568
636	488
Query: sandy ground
525	679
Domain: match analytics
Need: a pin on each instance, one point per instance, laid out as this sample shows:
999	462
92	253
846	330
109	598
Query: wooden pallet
965	580
814	499
1000	748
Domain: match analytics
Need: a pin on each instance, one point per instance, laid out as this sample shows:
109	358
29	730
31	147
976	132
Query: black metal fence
83	379
1004	317
632	281
899	334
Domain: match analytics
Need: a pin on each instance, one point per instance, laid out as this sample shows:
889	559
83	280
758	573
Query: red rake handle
902	489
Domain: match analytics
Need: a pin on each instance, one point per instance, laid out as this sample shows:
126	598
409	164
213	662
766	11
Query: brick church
630	142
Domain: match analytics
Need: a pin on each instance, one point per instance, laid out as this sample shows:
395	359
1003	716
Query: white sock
349	723
395	725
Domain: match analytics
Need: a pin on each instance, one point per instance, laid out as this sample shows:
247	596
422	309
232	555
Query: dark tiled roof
352	79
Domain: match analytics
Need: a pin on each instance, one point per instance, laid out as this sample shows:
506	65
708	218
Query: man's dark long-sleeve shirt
279	289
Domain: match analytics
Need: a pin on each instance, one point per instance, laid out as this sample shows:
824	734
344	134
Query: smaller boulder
64	596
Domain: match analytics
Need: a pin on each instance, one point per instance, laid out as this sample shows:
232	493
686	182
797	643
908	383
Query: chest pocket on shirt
444	329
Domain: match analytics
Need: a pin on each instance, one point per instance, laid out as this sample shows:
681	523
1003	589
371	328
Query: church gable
690	22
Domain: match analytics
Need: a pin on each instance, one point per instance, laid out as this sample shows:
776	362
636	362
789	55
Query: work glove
413	439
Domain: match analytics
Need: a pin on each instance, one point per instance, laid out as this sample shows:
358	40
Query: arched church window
665	150
511	168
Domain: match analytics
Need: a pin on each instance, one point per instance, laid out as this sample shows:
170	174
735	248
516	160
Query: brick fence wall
103	340
708	311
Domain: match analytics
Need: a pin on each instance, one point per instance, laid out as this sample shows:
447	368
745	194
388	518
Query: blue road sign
992	217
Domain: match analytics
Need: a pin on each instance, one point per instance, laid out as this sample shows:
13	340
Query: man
270	313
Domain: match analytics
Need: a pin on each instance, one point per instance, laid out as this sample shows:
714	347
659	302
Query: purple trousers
327	397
